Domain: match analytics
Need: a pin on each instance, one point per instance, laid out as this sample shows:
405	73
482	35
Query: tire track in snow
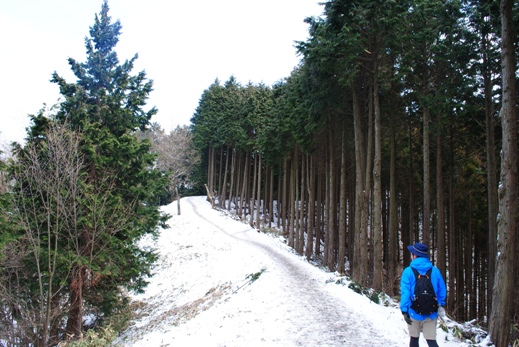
324	320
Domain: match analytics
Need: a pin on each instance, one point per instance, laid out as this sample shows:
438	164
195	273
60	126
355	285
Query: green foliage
370	293
92	338
92	221
253	277
8	231
425	55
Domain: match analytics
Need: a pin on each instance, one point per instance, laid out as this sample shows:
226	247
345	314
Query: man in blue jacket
421	323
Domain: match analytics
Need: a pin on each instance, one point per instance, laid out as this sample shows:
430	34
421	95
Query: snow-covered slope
220	283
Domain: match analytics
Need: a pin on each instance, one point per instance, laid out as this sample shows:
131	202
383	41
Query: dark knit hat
419	249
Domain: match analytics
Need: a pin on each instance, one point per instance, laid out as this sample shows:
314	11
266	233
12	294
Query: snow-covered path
221	283
314	317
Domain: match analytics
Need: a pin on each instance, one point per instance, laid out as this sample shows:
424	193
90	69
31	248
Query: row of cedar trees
383	135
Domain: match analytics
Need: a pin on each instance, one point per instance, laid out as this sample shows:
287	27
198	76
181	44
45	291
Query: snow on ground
220	283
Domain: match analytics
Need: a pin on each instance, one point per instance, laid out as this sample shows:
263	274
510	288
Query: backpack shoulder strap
416	273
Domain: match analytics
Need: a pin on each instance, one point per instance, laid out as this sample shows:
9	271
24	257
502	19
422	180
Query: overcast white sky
182	45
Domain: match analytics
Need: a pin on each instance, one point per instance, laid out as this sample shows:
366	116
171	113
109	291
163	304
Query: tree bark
232	151
330	205
239	182
245	184
359	190
507	224
393	219
366	255
468	268
440	215
223	194
178	200
210	196
319	213
378	247
258	194
302	215
426	228
451	299
342	206
283	208
408	228
292	200
491	175
220	177
75	316
311	208
210	169
298	201
271	199
252	196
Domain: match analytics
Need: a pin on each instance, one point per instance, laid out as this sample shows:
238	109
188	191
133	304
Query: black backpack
424	301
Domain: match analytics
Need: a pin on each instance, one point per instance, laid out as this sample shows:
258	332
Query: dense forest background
398	125
388	132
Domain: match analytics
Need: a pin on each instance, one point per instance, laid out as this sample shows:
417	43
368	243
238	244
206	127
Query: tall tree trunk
508	195
319	213
258	194
482	282
393	219
292	192
326	208
311	208
286	199
283	208
459	289
220	177
366	255
426	229
223	193
378	247
248	188
232	151
252	196
468	268
491	175
298	202
451	299
343	189
331	206
351	220
440	250
238	177
303	204
210	171
271	195
407	233
245	183
360	251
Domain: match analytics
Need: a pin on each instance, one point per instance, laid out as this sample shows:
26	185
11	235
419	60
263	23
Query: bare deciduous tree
48	178
177	155
65	224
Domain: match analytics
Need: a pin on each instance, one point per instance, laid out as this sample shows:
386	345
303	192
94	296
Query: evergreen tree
116	203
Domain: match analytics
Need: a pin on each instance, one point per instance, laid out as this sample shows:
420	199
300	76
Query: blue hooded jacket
408	281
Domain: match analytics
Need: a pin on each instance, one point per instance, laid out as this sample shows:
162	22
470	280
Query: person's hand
441	312
407	318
